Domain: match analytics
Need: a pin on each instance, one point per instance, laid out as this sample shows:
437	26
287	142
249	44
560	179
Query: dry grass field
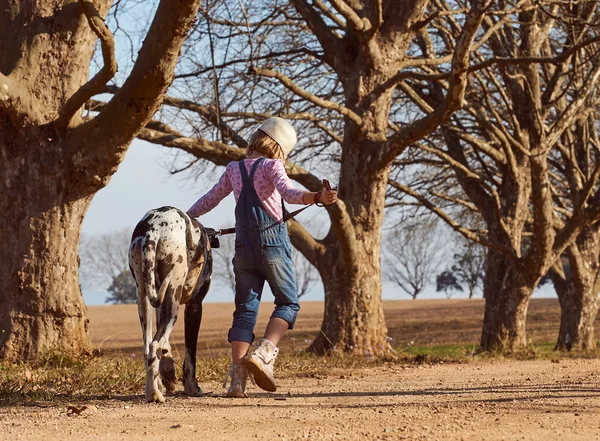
450	396
410	323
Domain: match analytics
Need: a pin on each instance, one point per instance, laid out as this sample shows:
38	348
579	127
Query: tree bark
507	298
578	290
43	307
353	317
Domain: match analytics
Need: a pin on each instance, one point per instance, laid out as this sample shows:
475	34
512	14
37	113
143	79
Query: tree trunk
506	302
353	318
42	305
578	311
351	267
471	291
52	162
578	290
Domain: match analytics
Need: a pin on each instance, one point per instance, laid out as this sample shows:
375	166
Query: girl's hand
328	197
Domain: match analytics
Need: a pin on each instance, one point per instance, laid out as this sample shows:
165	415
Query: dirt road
509	400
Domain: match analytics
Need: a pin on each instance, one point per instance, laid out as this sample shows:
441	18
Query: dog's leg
193	317
145	313
166	316
166	321
159	384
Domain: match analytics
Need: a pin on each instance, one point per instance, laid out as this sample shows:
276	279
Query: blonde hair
262	143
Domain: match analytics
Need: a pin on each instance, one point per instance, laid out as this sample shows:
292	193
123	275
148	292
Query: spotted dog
170	258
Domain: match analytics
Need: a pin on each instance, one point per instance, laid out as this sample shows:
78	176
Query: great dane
170	258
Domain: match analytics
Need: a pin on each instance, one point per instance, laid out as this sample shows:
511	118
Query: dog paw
192	389
154	395
167	373
168	385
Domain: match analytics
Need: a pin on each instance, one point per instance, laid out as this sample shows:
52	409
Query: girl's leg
248	291
239	350
275	330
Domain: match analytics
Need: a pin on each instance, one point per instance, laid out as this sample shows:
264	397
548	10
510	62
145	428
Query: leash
215	234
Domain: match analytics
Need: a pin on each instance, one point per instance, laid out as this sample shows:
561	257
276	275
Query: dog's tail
149	273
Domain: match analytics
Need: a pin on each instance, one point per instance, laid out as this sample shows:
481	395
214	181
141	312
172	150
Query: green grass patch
449	352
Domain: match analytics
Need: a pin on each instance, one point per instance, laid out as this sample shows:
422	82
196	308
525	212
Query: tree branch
95	85
451	222
111	131
289	84
351	16
206	112
304	242
268	56
573	228
331	15
495	61
454	99
331	43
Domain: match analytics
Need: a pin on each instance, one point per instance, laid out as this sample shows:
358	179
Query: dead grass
422	332
58	377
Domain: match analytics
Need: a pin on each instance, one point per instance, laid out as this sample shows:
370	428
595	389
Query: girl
262	249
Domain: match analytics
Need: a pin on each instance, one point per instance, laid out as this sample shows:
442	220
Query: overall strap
254	168
243	171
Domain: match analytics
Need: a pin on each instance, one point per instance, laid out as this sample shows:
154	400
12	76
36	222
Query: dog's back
158	253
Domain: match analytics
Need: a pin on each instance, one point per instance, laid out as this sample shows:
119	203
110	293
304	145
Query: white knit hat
282	132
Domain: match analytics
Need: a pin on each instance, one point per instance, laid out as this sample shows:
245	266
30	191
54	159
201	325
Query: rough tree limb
289	84
509	253
206	112
331	15
352	18
134	104
454	99
331	43
96	84
304	242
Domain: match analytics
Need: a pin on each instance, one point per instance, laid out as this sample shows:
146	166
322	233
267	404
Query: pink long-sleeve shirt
270	181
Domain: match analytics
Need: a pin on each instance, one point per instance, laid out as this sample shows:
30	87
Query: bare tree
576	276
337	69
469	265
104	264
103	257
223	274
54	160
306	274
413	256
496	157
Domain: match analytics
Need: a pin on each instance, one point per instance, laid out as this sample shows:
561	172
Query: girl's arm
211	199
292	195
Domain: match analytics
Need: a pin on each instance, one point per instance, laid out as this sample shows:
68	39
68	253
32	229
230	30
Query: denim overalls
262	252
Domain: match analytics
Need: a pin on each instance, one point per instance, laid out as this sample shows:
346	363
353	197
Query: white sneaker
260	365
238	375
